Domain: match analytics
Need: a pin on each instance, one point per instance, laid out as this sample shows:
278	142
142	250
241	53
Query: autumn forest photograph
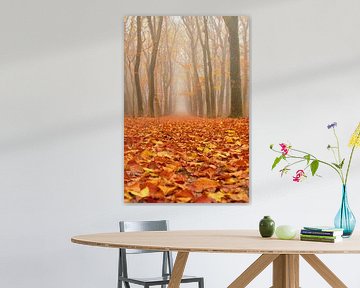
186	107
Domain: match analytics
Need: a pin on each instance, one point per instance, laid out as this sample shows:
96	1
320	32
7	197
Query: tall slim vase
345	219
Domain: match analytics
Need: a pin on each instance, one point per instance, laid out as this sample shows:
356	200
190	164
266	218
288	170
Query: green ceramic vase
266	227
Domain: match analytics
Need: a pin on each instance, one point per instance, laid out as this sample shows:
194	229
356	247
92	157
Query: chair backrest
137	226
133	226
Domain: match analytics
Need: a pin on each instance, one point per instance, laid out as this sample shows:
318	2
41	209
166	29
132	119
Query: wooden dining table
283	254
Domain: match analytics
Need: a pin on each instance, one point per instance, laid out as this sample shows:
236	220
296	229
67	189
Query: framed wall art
186	107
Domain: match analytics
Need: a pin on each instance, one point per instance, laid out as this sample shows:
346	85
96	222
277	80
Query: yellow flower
355	138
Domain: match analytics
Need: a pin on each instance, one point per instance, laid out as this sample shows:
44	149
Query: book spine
320	233
318	236
317	239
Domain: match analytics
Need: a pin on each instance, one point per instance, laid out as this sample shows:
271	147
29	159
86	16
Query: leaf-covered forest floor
186	160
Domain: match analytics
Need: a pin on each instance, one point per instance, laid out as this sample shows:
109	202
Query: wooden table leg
253	270
286	271
324	271
293	264
178	269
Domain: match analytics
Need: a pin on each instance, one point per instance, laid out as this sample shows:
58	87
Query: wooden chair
167	262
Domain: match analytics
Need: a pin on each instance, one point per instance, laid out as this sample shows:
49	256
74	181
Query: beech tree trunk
137	66
155	31
168	66
223	75
232	24
222	81
223	47
210	76
190	27
207	90
127	99
245	27
132	81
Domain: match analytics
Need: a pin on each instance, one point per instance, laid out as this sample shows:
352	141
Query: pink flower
300	174
284	148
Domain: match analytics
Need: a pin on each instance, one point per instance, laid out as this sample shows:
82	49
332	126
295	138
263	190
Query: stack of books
321	234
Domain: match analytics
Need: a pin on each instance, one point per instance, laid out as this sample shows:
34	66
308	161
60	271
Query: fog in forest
186	65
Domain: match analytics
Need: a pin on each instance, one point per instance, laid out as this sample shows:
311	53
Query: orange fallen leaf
217	196
133	167
203	199
135	187
164	154
142	194
167	190
240	197
230	181
146	154
203	184
184	196
148	170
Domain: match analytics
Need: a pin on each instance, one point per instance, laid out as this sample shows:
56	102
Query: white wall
61	133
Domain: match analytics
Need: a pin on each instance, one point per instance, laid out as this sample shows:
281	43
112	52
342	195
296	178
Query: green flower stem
350	159
333	152
338	145
338	162
296	162
338	171
339	156
348	167
320	161
304	152
312	159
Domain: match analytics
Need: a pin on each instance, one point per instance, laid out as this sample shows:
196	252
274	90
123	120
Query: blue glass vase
345	219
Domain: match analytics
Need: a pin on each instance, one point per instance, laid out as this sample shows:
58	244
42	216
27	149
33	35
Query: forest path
186	160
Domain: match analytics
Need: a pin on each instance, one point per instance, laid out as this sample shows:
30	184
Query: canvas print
186	107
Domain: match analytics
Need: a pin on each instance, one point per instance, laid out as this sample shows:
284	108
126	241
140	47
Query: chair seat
158	280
